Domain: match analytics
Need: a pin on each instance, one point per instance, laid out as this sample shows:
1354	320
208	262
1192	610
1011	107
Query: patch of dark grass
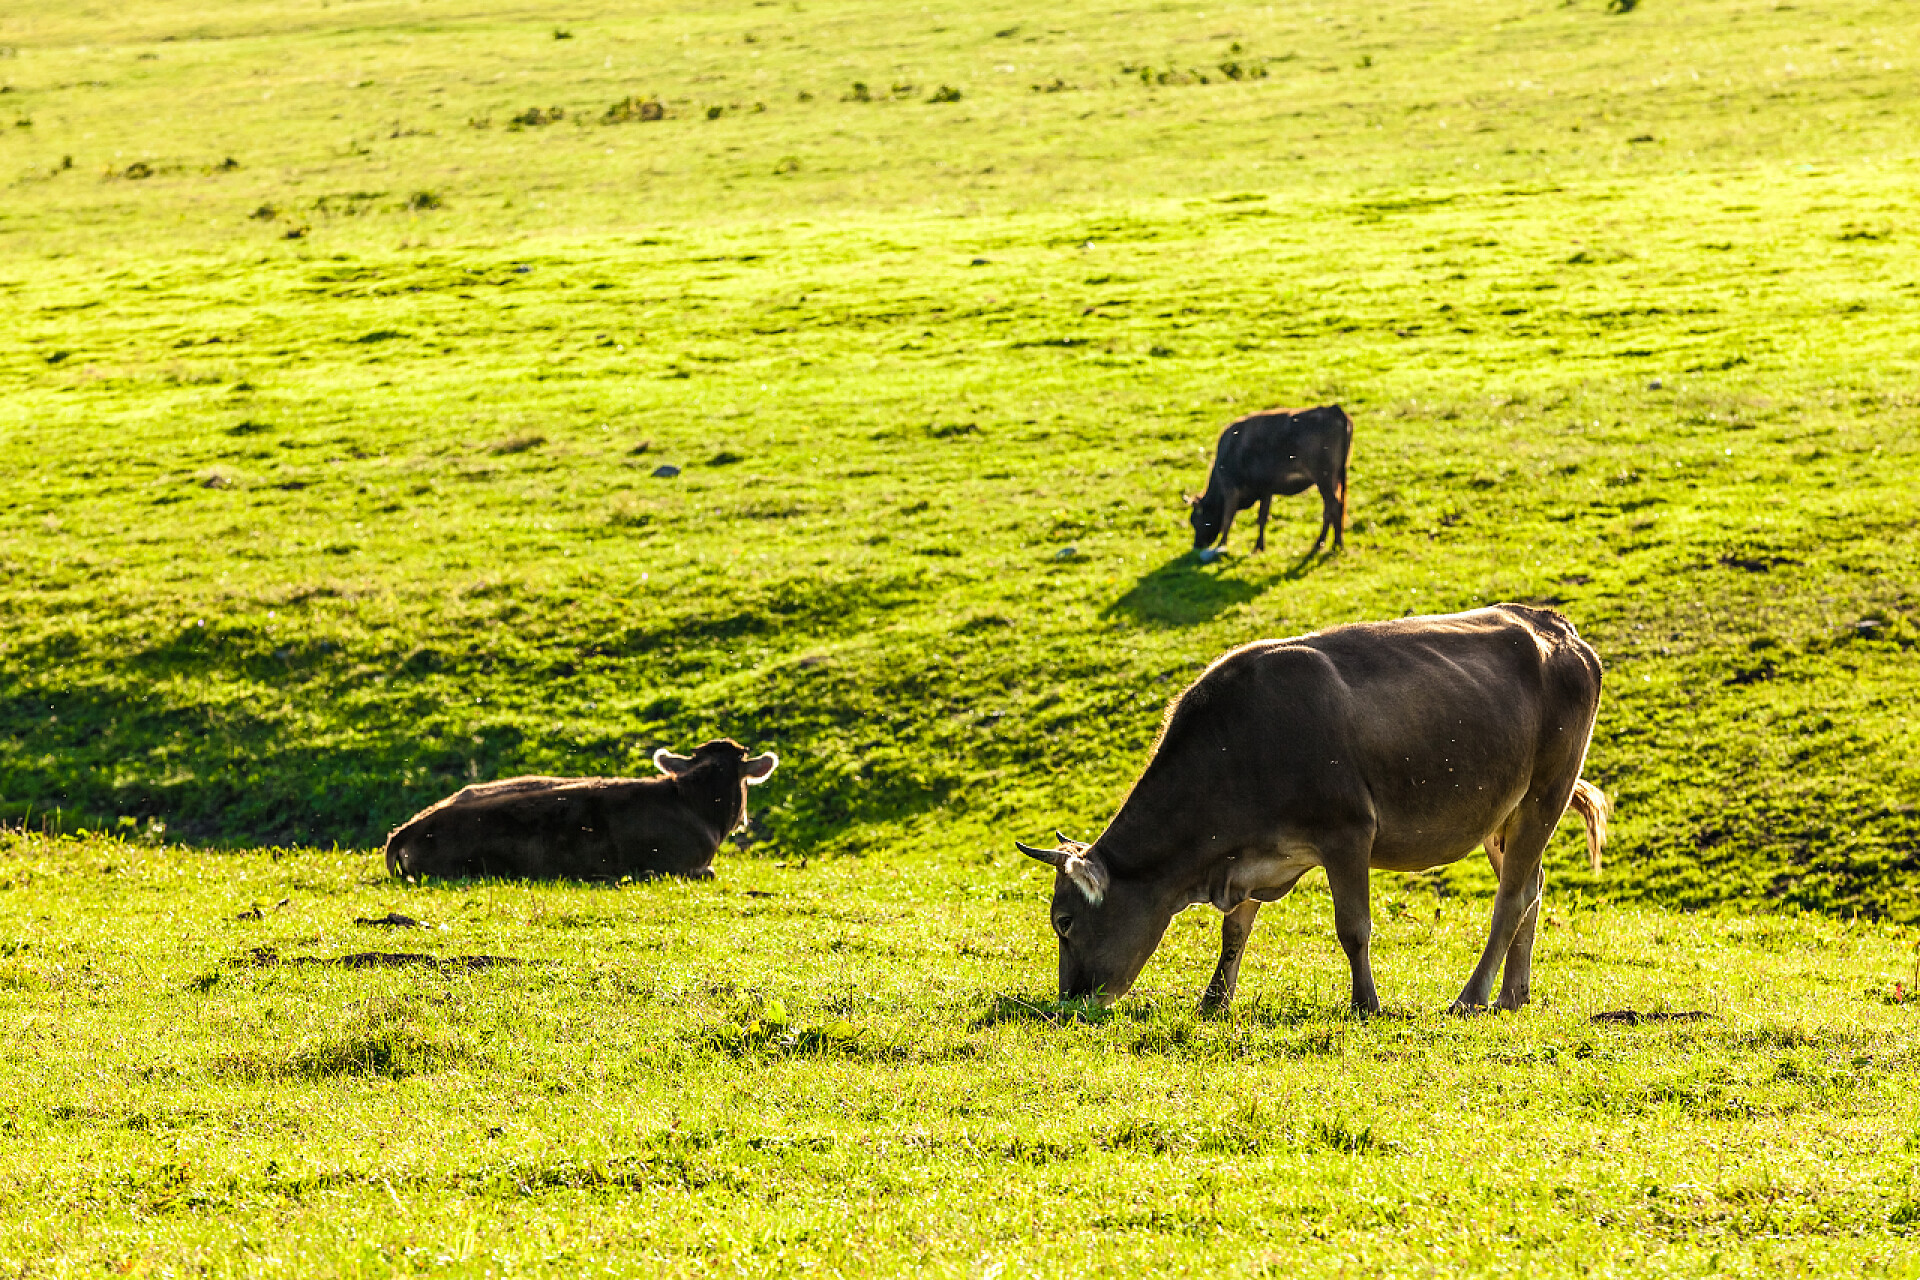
634	109
1042	1009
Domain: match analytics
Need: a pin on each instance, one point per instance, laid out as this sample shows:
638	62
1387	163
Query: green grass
831	1067
326	492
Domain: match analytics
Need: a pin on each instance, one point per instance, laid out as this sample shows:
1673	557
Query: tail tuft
1591	803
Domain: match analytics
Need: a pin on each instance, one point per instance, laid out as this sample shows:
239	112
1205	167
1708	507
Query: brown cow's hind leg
1516	976
1520	844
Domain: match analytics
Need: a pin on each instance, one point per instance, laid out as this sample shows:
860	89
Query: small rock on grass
666	471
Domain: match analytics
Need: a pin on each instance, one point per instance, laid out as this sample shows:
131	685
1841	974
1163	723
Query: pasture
344	342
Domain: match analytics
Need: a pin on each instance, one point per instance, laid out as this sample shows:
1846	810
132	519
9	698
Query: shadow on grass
215	744
1183	591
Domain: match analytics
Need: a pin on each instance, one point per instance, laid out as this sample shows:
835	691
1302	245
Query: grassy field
343	342
832	1069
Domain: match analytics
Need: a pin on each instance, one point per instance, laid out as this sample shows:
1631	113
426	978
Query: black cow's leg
1328	515
1266	505
1235	929
1347	876
1226	521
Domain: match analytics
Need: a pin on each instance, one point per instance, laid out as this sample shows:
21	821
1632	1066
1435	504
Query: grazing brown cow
1280	451
587	828
1393	745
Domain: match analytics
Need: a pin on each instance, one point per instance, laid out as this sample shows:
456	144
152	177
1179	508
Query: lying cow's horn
1052	857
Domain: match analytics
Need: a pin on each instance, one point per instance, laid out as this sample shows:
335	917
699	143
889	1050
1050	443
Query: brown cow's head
726	766
1107	928
1206	513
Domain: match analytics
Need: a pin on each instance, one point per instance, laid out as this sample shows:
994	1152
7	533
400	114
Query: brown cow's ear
1090	875
668	763
758	769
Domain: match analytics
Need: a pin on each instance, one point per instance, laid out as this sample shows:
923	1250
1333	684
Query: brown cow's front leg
1235	929
1347	876
1266	505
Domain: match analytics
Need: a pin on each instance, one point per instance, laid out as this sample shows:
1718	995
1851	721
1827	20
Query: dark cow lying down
1398	745
587	828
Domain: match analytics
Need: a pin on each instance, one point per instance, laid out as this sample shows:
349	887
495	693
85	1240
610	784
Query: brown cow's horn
1052	857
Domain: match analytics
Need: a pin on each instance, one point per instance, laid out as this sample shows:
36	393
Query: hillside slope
344	348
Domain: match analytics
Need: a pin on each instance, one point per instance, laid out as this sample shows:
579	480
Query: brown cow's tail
1591	803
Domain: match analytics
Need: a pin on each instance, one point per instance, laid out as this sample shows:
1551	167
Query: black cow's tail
1591	803
1340	483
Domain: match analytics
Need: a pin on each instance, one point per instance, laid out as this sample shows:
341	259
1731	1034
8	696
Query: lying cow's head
1205	513
725	763
1107	928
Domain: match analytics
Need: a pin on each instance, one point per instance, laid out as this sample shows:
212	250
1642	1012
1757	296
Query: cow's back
1427	729
1282	450
1455	719
554	828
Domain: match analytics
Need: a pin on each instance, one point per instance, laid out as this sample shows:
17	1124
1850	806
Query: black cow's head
1206	513
1107	928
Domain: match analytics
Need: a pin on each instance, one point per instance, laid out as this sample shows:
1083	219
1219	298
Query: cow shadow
1183	591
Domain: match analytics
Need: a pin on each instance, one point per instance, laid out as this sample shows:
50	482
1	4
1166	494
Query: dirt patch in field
266	957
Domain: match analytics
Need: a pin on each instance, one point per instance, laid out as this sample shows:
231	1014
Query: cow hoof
1210	554
1461	1009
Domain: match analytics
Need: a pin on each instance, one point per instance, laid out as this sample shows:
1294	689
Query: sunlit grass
330	486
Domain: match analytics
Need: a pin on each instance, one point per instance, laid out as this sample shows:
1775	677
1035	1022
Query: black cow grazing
587	828
1393	745
1280	451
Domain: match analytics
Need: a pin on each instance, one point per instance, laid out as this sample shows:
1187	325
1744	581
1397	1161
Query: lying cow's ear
667	762
1091	875
758	769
